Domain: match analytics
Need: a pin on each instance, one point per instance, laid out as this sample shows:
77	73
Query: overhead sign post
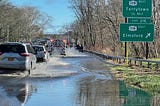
139	27
136	32
138	13
137	8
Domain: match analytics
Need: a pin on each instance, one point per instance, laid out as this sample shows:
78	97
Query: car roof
12	43
37	45
15	43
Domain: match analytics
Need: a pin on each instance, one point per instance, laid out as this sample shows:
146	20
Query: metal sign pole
126	47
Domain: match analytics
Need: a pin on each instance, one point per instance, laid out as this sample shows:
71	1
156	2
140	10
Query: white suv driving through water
15	55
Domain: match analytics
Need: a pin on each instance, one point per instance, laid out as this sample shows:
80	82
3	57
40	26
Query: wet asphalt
75	79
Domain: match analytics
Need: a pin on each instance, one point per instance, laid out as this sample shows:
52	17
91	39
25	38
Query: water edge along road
77	79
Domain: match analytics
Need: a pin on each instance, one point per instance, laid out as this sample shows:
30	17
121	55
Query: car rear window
12	48
37	48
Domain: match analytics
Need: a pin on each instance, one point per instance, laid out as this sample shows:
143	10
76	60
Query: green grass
145	81
155	59
122	68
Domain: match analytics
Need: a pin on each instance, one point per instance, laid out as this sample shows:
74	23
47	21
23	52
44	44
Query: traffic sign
139	20
137	8
136	32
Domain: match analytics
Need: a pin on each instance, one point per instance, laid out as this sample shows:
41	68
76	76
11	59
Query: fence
131	61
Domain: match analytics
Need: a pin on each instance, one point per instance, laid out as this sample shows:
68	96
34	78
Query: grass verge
142	78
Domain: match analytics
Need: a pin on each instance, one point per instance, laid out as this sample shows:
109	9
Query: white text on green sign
136	32
139	20
137	8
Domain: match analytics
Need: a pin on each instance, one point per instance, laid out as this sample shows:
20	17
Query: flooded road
76	79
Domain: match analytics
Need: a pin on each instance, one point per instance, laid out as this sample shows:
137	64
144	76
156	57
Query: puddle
71	82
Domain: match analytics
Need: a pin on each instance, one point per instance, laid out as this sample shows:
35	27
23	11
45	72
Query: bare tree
98	22
21	23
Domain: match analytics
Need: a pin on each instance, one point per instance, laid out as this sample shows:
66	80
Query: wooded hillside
97	26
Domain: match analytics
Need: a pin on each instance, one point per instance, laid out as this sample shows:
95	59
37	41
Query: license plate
10	59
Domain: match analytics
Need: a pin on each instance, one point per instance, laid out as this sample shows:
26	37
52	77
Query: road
76	79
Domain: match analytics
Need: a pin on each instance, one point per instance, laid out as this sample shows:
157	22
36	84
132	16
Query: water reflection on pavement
13	93
111	93
78	90
71	81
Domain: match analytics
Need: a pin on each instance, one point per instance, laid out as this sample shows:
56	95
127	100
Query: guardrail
131	61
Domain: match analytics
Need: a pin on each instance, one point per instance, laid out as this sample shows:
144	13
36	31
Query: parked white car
16	55
41	53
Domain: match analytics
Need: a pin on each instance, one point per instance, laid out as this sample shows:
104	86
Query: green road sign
136	32
139	20
137	8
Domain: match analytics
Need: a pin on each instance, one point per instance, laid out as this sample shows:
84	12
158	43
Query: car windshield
12	48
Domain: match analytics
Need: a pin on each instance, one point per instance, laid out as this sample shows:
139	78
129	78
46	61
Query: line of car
22	56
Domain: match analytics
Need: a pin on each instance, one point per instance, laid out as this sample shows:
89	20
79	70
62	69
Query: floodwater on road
77	79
